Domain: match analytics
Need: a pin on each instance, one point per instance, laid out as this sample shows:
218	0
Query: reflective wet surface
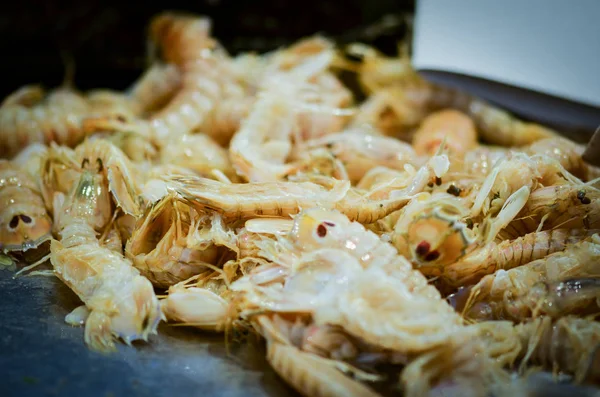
40	355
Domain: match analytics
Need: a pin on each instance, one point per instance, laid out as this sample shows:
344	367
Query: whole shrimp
506	255
522	292
247	200
120	302
415	97
24	223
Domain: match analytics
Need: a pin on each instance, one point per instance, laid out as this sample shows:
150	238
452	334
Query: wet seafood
24	223
522	292
121	303
259	195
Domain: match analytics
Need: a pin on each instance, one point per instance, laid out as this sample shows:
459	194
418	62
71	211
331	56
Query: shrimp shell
455	127
197	152
310	375
562	345
359	152
155	87
27	95
507	255
205	76
121	302
161	245
515	294
56	119
24	223
268	199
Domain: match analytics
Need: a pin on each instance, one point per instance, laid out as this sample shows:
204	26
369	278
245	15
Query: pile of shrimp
422	238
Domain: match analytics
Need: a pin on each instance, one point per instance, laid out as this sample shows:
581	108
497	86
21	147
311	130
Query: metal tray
41	355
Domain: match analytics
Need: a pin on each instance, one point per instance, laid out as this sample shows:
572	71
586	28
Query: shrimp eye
14	222
25	218
321	230
433	255
85	162
100	165
422	248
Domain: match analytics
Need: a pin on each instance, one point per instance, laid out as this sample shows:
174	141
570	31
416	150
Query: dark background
107	39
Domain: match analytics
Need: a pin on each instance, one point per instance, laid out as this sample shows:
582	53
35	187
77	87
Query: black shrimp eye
321	230
423	248
14	222
85	162
25	218
100	165
433	255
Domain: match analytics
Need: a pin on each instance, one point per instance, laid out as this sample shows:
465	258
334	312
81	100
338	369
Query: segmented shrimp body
450	126
248	200
521	292
199	153
24	223
27	95
121	303
56	119
185	42
506	255
566	206
155	87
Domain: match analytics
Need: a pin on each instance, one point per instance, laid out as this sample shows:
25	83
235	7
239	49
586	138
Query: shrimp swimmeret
119	301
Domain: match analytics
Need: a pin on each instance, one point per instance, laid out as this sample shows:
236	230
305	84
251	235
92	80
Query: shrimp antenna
69	64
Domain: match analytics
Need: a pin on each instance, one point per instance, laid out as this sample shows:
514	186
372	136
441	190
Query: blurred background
107	39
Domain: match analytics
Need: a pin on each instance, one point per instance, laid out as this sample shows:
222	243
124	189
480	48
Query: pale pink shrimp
454	128
120	302
359	152
56	119
156	87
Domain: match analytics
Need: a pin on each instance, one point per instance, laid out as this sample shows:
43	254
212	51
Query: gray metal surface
40	355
